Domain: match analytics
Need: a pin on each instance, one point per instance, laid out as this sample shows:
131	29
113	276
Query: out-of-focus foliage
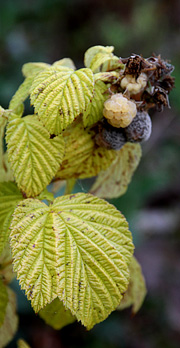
10	324
22	344
10	196
136	292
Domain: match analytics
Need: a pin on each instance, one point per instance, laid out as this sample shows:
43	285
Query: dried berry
135	65
162	68
167	83
140	128
133	85
160	97
119	111
110	137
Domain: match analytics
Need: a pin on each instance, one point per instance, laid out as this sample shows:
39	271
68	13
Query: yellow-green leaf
6	173
136	292
55	315
3	119
105	62
16	103
95	110
99	160
93	51
114	181
83	159
65	62
22	344
107	76
34	157
10	196
30	69
78	249
79	146
3	301
100	58
59	94
9	327
46	195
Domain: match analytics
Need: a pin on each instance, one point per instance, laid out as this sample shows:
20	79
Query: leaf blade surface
60	94
34	157
113	182
77	249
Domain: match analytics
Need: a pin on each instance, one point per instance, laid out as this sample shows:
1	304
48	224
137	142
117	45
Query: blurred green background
48	30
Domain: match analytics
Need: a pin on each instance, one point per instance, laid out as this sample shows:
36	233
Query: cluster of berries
138	130
143	84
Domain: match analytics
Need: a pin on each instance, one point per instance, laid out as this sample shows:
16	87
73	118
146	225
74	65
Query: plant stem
69	186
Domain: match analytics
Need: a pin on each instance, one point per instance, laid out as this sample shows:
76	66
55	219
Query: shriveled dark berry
140	128
111	137
135	65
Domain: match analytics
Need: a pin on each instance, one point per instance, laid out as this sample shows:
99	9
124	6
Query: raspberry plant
73	255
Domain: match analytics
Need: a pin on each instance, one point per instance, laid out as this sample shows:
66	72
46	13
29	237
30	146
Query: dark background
48	30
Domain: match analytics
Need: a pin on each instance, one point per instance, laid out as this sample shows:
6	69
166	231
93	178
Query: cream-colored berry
134	85
119	111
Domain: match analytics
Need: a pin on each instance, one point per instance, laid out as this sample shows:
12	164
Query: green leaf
10	196
9	327
3	119
100	159
3	301
34	157
105	62
95	111
6	173
79	146
114	181
83	159
136	292
22	344
46	195
30	69
107	76
78	249
100	58
16	103
65	62
59	94
93	51
55	315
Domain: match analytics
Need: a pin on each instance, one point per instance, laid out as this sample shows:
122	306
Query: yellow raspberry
134	86
119	111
